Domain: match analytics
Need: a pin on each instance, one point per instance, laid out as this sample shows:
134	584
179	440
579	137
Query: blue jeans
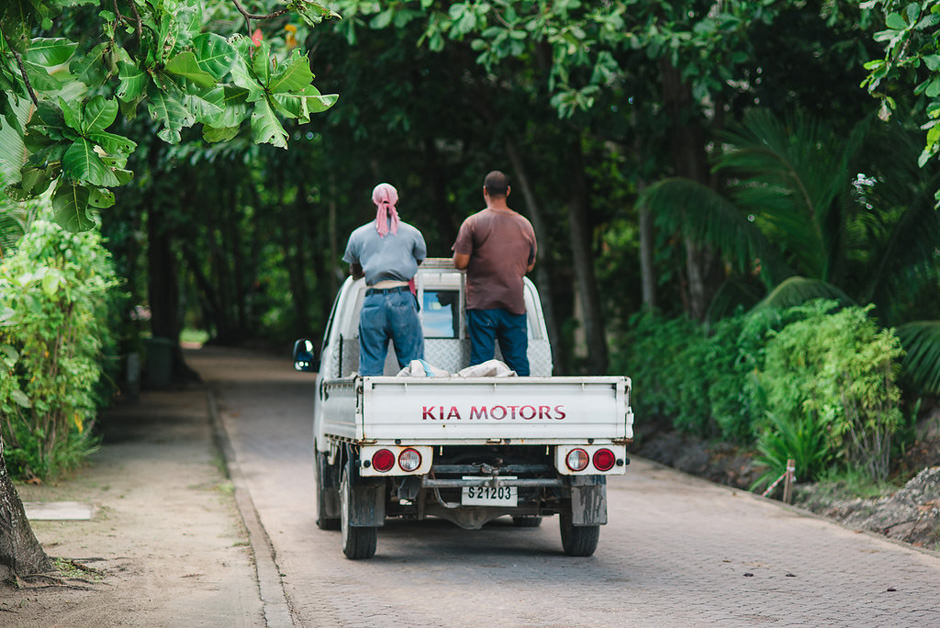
486	326
389	316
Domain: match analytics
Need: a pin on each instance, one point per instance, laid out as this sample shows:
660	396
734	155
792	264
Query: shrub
696	379
55	300
835	368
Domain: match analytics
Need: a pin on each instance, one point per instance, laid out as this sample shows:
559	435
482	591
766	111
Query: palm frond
793	174
697	211
904	227
921	365
798	290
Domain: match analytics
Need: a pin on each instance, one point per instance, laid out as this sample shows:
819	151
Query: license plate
489	496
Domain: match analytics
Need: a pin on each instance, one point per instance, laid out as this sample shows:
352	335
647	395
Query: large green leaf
206	105
242	73
921	342
317	102
219	134
185	64
70	204
82	163
170	113
101	198
99	114
265	127
89	68
214	54
133	81
261	63
71	114
50	52
291	77
234	107
113	144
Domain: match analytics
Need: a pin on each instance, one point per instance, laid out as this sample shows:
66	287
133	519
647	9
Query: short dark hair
496	183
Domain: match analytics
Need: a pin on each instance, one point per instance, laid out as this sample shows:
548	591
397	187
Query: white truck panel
442	410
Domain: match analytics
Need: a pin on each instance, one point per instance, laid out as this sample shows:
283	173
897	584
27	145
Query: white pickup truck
466	449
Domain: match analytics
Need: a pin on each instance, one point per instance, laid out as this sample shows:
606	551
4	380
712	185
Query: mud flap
588	500
367	499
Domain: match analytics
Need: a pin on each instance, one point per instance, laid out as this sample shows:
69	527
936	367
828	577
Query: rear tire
577	540
327	495
527	521
358	542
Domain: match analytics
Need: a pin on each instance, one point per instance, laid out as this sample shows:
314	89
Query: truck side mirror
304	355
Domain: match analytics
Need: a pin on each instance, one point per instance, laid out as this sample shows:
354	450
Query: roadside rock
912	514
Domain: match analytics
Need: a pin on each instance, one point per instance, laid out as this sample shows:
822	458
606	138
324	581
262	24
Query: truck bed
481	410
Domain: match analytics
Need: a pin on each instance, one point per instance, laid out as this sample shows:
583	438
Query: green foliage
837	370
921	342
802	439
810	382
698	379
157	57
56	298
911	55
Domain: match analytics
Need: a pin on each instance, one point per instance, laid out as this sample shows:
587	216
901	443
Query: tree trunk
541	268
584	264
647	270
689	159
20	552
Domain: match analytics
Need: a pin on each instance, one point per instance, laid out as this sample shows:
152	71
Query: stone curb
277	609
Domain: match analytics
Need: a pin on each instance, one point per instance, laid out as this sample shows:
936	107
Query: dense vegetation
699	175
58	307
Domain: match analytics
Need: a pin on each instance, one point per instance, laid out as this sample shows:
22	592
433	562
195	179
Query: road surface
678	551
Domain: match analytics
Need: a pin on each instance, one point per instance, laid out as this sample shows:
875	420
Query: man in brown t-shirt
497	247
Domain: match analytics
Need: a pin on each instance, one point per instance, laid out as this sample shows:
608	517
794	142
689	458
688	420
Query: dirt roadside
166	546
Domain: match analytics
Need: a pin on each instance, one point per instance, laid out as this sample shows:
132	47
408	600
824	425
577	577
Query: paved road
678	551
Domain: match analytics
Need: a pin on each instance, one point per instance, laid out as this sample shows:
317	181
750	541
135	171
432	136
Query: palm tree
817	215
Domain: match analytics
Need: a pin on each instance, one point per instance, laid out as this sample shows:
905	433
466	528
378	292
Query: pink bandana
386	216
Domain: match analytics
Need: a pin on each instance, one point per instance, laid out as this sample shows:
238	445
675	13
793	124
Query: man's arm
461	260
356	270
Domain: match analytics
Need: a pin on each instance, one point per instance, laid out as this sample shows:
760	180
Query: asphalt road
678	551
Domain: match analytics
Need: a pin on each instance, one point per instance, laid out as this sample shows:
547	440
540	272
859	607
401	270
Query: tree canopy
72	66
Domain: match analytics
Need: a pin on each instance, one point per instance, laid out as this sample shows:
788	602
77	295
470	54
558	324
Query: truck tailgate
523	410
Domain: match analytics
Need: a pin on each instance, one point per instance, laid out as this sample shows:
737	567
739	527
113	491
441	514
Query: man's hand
461	260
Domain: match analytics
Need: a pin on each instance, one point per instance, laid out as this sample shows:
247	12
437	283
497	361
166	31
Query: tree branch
255	16
19	62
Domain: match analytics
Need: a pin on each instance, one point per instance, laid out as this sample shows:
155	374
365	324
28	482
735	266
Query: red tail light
577	459
604	459
383	460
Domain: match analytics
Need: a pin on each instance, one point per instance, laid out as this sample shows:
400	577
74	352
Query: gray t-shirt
395	257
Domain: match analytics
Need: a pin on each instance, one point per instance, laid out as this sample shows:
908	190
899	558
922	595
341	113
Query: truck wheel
527	521
327	496
577	540
358	542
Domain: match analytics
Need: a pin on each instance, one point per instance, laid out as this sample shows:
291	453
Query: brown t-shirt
501	245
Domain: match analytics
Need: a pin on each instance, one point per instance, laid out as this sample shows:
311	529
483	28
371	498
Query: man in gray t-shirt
387	252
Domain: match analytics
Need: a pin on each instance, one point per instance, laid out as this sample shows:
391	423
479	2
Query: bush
838	370
807	382
55	304
698	380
